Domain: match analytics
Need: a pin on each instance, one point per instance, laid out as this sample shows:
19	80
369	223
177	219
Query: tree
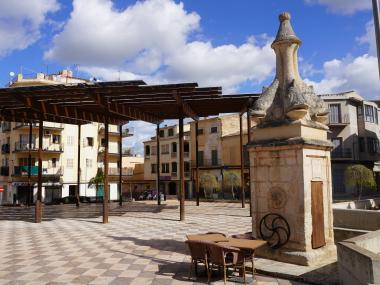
359	176
208	181
232	179
97	180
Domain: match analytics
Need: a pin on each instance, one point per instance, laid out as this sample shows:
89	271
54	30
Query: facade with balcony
355	135
59	156
169	161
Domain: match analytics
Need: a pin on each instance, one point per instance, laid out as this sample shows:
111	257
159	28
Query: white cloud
142	131
360	74
21	21
346	7
369	38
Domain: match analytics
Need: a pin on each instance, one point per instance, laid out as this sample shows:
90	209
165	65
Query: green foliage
231	178
359	176
97	180
208	181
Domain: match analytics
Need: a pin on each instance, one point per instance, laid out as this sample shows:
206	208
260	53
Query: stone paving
142	244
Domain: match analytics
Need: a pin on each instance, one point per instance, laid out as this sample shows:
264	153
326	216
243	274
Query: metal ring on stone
275	230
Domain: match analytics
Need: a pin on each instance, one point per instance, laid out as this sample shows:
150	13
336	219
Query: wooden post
78	169
31	190
105	162
197	162
38	207
249	162
181	173
158	164
241	161
120	164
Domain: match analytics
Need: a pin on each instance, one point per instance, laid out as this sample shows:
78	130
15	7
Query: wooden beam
241	162
158	164
181	173
186	109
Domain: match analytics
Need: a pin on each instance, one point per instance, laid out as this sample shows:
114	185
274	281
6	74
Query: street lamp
376	21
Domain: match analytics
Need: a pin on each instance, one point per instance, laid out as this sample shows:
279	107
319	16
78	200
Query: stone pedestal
288	163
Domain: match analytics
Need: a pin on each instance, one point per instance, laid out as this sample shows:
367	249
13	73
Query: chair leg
191	268
209	272
196	268
244	280
225	274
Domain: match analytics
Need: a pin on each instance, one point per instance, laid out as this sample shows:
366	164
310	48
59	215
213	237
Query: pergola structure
118	103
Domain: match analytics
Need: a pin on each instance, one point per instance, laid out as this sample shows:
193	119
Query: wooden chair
225	257
198	252
248	254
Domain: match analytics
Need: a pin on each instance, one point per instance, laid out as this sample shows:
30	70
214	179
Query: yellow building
169	161
219	156
59	156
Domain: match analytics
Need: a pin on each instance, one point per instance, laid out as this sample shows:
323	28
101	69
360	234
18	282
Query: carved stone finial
288	98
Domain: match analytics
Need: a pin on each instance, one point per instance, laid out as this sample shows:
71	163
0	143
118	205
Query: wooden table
208	237
247	245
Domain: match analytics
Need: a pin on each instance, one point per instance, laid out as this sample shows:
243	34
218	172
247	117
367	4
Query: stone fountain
290	163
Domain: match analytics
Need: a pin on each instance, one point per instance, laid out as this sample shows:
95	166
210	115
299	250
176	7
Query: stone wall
359	260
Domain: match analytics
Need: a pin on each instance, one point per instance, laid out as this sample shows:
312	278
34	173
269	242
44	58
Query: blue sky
214	42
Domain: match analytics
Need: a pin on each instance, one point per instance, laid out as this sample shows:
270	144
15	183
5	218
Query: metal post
120	164
78	169
105	162
158	164
30	165
38	207
181	173
241	161
376	22
197	162
249	162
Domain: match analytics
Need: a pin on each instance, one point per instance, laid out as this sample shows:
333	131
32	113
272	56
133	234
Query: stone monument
290	163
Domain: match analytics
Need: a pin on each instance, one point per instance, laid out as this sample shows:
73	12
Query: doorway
172	188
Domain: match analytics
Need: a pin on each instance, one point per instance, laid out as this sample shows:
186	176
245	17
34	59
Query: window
174	147
54	162
153	168
103	142
186	166
200	158
88	163
214	157
214	130
56	139
373	145
24	161
186	147
165	149
361	144
147	150
165	168
70	140
335	115
162	133
200	132
369	113
154	150
69	163
174	167
337	143
171	132
89	141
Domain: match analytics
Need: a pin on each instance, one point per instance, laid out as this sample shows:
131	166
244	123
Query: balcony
4	171
24	147
342	153
174	155
115	131
208	163
50	171
47	126
341	121
5	126
115	171
5	148
111	152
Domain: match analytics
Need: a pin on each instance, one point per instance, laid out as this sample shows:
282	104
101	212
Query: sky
214	42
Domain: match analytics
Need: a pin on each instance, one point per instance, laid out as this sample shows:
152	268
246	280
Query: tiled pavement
142	244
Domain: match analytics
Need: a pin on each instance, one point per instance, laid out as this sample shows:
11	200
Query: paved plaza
142	244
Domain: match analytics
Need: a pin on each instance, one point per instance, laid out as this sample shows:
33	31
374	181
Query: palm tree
208	181
97	180
359	176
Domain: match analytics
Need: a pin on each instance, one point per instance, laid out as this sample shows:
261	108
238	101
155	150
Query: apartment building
355	134
219	156
59	157
169	161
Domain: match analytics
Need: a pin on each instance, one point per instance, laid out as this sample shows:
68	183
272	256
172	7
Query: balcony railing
110	151
4	171
54	147
341	153
114	171
208	162
23	171
174	154
5	148
47	125
339	121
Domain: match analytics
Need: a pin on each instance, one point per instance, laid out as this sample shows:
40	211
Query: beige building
219	155
59	157
169	161
355	134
